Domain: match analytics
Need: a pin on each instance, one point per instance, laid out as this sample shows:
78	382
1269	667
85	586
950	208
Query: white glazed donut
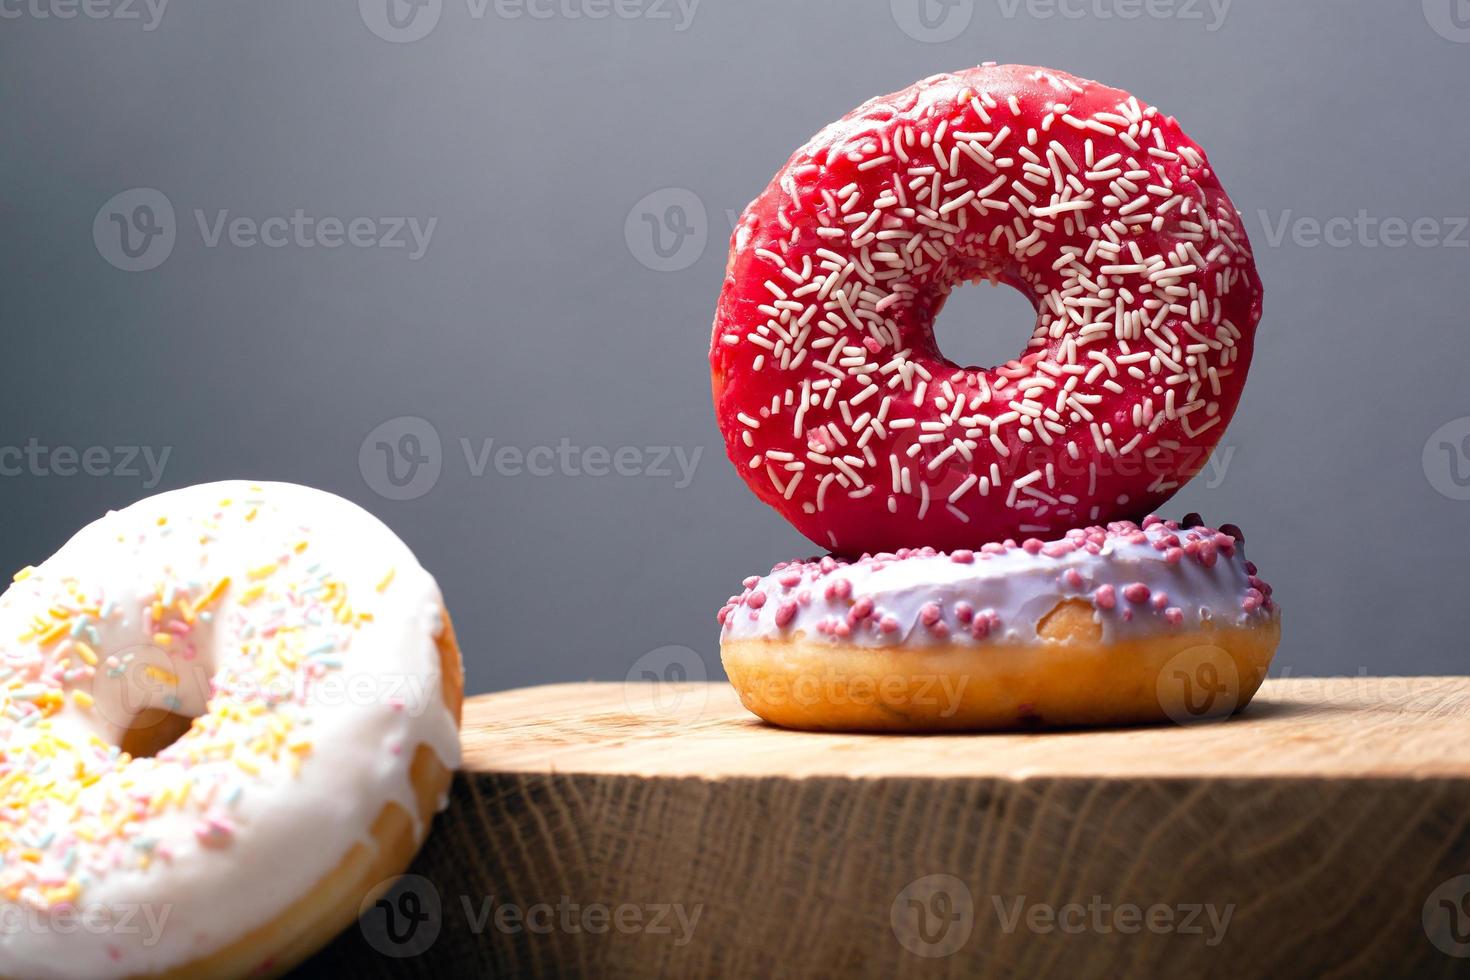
308	656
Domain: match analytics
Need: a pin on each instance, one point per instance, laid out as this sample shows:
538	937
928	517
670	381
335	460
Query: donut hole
979	326
145	697
153	730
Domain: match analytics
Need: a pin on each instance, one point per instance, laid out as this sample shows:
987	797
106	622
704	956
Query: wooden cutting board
634	830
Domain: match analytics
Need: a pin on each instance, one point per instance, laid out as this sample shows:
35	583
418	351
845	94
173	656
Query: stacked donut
991	530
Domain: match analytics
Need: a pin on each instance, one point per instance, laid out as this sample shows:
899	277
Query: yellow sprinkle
300	546
248	766
387	580
163	520
82	698
31	855
88	655
53	634
24	573
253	593
226	502
262	571
250	516
62	894
158	673
163	639
213	594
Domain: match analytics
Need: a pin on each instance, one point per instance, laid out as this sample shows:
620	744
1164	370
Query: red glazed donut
837	406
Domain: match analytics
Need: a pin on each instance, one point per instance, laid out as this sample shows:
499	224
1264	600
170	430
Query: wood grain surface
660	830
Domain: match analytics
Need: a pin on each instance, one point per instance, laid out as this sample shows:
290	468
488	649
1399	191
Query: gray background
533	317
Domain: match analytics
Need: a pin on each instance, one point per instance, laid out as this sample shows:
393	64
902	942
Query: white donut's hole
983	326
152	731
146	696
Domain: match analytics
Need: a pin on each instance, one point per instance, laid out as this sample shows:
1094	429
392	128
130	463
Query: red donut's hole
981	326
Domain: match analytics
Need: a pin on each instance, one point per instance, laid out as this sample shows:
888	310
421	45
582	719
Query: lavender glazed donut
1106	625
